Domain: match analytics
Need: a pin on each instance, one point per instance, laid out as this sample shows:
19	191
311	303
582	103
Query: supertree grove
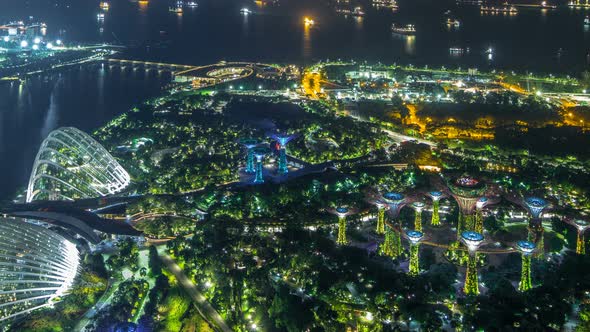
341	212
283	139
418	207
472	240
392	245
581	226
250	144
526	248
435	196
414	237
466	190
259	153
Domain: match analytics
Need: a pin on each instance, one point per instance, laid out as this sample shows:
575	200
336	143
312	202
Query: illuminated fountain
341	212
418	207
472	240
259	153
466	190
392	245
283	140
435	196
250	144
581	227
414	237
526	248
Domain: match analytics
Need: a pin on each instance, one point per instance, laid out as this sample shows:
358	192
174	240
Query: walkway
201	302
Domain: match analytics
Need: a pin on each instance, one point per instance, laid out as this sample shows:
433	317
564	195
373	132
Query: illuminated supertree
435	196
392	245
472	240
250	144
526	248
481	204
381	208
283	140
414	237
341	212
418	207
259	152
466	190
536	206
581	227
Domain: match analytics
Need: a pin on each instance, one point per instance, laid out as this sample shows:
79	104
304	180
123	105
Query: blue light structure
536	206
250	144
283	140
526	248
259	153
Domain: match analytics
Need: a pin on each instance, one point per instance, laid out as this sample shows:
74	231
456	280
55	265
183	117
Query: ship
503	9
587	21
245	11
192	4
100	16
392	4
104	5
358	11
407	30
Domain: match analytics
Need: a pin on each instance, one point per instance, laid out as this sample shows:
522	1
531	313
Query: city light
24	43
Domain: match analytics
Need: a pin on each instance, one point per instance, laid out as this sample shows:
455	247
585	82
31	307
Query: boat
452	22
177	10
104	5
192	4
100	16
587	20
407	30
245	11
308	21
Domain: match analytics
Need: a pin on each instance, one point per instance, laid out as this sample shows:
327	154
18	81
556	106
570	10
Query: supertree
581	227
283	139
481	204
341	212
414	237
250	144
466	190
472	240
418	207
381	208
259	152
526	248
435	196
392	245
535	207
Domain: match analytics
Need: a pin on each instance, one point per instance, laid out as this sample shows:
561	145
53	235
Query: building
37	267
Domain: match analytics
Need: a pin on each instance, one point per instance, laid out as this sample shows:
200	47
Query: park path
189	286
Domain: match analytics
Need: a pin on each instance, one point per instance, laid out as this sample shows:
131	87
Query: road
198	298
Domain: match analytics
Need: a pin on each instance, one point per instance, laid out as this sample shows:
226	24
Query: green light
525	274
580	244
418	220
380	220
414	259
341	231
435	214
471	285
479	221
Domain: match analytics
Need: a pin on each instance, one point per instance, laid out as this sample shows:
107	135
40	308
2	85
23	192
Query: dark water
550	41
83	97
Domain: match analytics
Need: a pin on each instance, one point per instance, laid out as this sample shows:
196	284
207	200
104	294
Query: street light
24	43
